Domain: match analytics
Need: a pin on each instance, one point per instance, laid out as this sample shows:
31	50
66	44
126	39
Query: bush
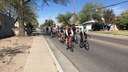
122	26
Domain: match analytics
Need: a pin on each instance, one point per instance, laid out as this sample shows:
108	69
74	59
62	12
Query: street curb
60	57
58	66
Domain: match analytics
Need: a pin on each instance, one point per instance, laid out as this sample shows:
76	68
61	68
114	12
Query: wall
6	26
89	26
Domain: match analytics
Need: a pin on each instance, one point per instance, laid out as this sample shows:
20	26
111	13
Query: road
105	54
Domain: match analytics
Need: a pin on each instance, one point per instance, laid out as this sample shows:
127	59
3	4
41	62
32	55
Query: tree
21	10
48	22
60	18
19	7
90	11
122	21
64	18
82	17
109	16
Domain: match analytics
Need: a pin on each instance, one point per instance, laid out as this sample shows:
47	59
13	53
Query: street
105	54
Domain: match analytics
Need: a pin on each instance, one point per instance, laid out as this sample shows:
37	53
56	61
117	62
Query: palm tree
109	16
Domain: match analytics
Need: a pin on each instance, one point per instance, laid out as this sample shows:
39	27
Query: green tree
19	8
64	18
82	17
91	11
109	16
122	21
48	22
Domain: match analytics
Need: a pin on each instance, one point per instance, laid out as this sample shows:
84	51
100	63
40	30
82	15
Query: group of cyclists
69	33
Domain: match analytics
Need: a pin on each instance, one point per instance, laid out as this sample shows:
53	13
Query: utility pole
74	5
74	8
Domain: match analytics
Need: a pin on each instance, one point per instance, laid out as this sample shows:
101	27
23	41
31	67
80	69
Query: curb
60	57
59	68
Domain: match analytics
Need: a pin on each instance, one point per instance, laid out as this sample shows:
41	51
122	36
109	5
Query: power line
112	5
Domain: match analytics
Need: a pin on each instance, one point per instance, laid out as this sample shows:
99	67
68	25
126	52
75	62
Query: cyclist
58	31
74	29
61	31
69	34
74	32
83	35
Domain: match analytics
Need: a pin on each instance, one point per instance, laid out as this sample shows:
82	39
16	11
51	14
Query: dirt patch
13	53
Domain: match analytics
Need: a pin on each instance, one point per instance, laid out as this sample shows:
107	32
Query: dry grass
120	32
13	53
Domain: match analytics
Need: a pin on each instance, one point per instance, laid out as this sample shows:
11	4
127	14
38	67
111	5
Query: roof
91	21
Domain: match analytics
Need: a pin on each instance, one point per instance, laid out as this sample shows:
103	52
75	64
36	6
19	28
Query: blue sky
51	12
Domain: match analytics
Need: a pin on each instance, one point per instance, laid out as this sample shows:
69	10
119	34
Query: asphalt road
105	54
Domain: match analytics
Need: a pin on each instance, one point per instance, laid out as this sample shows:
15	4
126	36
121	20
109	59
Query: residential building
6	25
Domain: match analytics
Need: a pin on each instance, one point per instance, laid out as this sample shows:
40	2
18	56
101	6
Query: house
113	27
16	28
59	24
6	25
88	24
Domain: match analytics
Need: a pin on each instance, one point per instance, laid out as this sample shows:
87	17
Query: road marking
109	43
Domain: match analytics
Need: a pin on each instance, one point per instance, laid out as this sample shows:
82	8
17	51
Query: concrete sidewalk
39	59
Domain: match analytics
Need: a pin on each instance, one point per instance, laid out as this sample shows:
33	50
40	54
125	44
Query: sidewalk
39	59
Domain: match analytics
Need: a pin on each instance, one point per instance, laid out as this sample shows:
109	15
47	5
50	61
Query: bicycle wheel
71	48
86	46
80	45
76	39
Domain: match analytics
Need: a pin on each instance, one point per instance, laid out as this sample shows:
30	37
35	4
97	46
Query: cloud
118	9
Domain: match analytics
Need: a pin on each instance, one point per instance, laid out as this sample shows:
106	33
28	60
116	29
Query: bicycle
61	39
70	45
75	39
84	44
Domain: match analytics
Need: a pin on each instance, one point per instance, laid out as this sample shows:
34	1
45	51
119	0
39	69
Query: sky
52	11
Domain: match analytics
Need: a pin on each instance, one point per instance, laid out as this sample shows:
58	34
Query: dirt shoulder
120	32
13	53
